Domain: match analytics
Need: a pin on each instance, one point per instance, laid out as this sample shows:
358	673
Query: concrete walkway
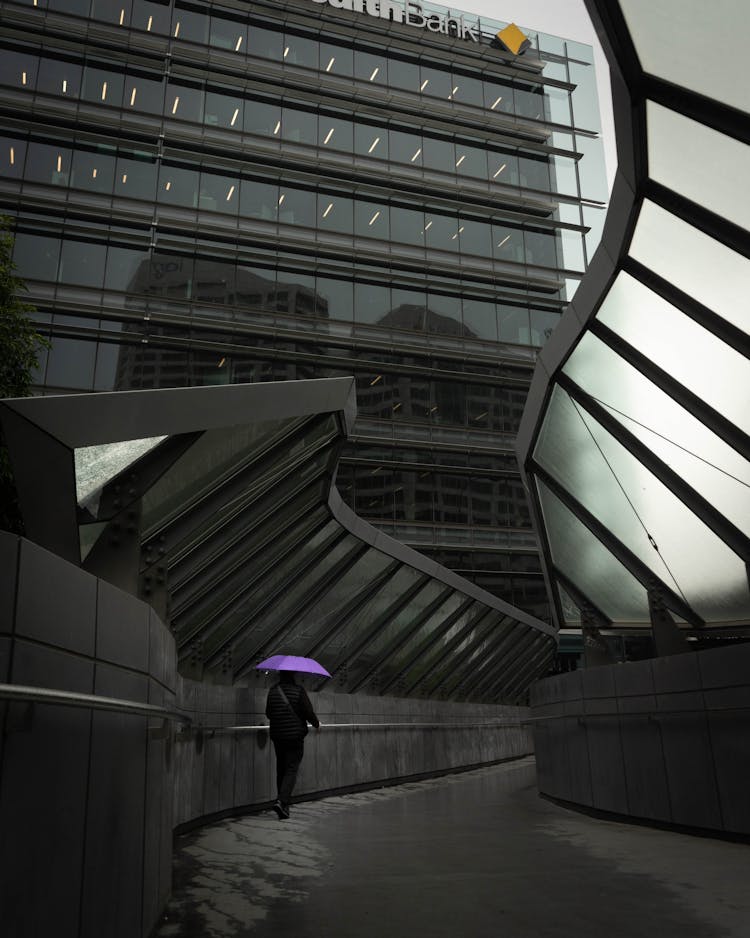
478	854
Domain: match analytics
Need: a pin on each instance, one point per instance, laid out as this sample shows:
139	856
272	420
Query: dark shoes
281	810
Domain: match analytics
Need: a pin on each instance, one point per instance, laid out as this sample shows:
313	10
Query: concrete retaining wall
215	772
89	799
664	740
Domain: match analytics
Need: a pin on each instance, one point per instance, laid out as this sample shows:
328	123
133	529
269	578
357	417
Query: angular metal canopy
217	505
635	442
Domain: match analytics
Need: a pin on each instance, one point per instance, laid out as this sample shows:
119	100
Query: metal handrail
651	714
366	726
25	694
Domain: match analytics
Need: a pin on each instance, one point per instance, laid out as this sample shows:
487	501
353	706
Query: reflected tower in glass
222	193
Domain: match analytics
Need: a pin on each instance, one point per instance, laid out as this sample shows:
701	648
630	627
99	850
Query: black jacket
289	724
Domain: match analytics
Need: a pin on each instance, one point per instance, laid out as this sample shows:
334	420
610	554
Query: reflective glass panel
698	162
694	262
711	466
695	357
586	562
689	26
641	511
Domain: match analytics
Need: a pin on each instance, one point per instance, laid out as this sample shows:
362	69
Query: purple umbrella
292	663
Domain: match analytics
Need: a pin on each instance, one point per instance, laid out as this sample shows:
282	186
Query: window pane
336	297
178	186
36	256
513	324
695	357
122	267
336	60
335	213
480	319
405	148
681	254
698	162
18	69
632	503
534	171
602	578
12	157
262	118
219	193
439	154
82	262
94	171
259	199
136	178
102	86
297	208
498	97
187	25
265	42
467	90
502	168
371	141
184	102
143	94
440	231
71	364
444	314
369	67
471	161
371	220
47	164
228	34
299	50
408	310
408	226
372	302
435	83
59	78
299	126
688	28
223	110
404	75
335	134
507	243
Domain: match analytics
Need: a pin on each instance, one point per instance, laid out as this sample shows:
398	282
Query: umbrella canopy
292	663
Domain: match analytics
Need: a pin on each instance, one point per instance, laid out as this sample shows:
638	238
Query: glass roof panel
698	265
701	46
402	655
320	617
694	356
377	651
587	563
642	512
673	434
699	163
97	465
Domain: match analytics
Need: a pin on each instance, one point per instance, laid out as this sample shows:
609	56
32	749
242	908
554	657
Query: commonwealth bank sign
410	13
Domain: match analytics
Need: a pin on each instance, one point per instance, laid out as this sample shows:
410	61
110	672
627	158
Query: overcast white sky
566	18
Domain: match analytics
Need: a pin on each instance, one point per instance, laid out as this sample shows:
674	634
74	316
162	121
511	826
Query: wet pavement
464	855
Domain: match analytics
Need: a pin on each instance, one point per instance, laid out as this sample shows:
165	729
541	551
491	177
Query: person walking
289	710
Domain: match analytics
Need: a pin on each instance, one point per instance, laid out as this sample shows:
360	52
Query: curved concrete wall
664	740
89	799
218	772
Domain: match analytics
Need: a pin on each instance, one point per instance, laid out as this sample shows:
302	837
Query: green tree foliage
20	344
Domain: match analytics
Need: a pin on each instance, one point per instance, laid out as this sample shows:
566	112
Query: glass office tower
225	192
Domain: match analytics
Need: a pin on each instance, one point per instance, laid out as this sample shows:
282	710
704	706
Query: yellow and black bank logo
513	40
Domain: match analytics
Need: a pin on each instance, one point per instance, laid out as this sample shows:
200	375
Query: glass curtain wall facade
217	193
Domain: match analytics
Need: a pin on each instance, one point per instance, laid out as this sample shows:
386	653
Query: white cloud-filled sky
566	18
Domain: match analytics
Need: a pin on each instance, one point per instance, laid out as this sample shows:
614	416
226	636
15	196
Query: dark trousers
288	757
